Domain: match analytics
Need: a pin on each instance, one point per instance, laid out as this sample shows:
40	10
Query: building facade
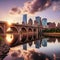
58	25
30	22
51	25
44	22
38	19
25	18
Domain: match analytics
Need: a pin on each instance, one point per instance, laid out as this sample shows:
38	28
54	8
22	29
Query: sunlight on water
9	38
9	29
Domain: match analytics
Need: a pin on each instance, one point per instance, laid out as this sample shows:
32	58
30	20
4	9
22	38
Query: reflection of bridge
24	31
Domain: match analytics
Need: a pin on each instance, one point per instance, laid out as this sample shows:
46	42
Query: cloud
40	5
35	6
15	10
29	55
56	5
55	0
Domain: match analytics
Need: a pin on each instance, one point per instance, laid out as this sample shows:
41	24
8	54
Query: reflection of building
30	43
38	19
58	40
37	44
30	22
52	40
51	25
25	18
44	42
25	46
44	22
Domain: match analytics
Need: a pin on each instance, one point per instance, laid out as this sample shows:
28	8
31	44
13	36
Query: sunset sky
13	10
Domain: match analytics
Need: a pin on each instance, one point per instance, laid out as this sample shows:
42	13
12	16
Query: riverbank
4	49
52	34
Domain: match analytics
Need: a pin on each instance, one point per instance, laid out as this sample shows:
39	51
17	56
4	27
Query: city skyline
12	10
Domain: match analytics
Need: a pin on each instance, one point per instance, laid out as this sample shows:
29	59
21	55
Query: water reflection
30	44
25	46
44	42
37	44
9	38
49	46
52	40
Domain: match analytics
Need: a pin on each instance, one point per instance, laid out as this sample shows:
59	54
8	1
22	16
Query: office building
30	22
44	22
38	19
25	18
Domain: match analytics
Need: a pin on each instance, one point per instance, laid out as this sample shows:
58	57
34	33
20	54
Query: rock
4	49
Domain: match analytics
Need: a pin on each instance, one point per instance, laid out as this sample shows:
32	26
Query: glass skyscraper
25	18
44	22
38	19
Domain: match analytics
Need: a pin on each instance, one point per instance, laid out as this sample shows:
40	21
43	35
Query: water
49	46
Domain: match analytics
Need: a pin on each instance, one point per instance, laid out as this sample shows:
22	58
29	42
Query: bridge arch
14	29
29	29
23	29
34	30
1	30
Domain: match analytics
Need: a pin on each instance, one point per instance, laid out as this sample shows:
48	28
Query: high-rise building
35	22
38	19
25	18
44	22
30	22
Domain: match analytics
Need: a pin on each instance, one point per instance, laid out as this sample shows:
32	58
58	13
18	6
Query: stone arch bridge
23	32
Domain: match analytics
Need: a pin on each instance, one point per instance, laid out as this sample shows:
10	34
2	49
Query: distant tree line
52	30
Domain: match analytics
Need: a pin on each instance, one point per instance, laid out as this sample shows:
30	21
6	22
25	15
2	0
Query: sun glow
8	20
9	29
9	38
13	19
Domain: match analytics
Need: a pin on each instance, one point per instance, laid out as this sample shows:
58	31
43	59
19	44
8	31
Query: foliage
1	39
52	30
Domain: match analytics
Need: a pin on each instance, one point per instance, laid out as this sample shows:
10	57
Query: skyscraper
25	18
30	22
44	22
38	19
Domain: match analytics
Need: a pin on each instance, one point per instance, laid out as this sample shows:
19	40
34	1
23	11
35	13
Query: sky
13	10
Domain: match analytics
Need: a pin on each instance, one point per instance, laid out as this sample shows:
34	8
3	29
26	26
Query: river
49	46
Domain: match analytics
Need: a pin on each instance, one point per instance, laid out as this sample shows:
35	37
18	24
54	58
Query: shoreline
52	34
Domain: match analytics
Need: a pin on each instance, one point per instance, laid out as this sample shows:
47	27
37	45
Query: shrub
1	39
